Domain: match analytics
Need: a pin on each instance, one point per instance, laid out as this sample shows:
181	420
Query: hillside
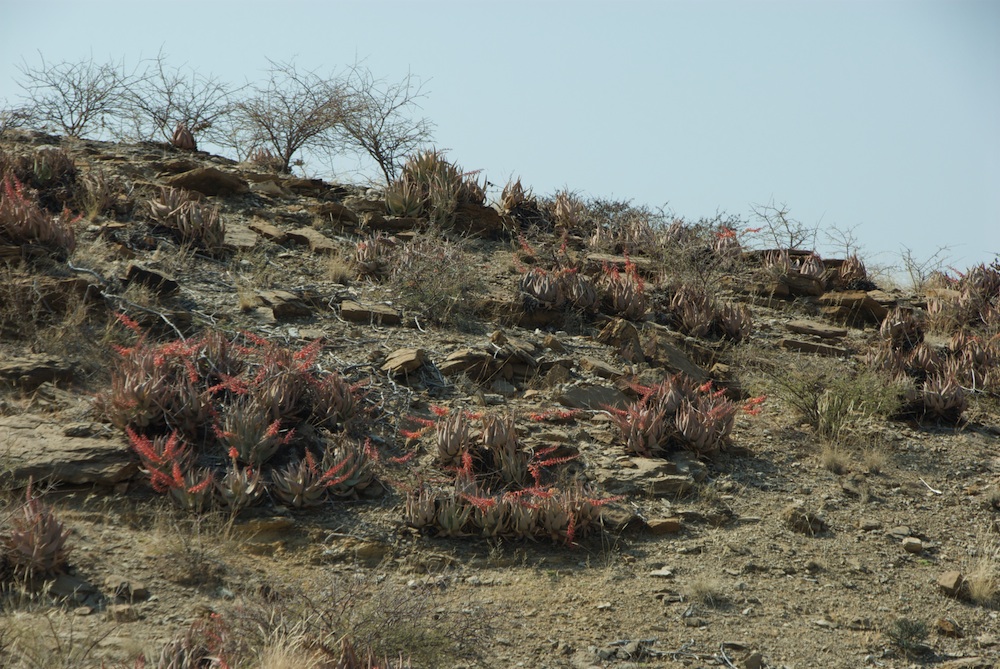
291	423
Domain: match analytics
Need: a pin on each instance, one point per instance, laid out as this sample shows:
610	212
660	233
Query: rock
816	329
29	372
239	237
869	525
799	285
123	588
336	213
623	336
813	347
899	531
404	360
477	219
652	476
856	306
284	305
952	583
968	663
798	518
552	343
317	241
378	314
670	525
753	661
36	446
305	186
268	188
208	180
477	364
121	613
670	350
913	545
158	282
593	397
73	589
662	572
600	368
268	231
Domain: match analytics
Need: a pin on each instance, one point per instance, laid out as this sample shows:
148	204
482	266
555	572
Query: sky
878	117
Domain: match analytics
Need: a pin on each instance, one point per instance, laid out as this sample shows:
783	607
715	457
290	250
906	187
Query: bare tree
379	123
164	96
288	112
785	231
12	117
77	97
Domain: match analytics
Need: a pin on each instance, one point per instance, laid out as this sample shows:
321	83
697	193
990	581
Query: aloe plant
38	542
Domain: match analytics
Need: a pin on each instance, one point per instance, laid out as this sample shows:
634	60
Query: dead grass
338	269
982	575
835	459
706	590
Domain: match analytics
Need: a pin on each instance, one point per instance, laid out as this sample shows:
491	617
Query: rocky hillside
254	420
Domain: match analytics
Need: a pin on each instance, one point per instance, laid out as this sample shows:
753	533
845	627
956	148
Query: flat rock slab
158	282
268	231
336	213
239	237
593	397
600	368
816	329
856	305
31	371
404	360
317	241
41	447
209	180
813	347
284	305
380	314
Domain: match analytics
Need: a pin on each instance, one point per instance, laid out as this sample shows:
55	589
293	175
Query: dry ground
736	579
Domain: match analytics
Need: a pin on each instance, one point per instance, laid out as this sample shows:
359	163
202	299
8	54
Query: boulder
208	180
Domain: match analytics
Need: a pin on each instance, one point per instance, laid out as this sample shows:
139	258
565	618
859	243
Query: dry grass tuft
835	459
983	577
706	590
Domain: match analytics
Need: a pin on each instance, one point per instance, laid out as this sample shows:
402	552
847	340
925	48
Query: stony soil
697	565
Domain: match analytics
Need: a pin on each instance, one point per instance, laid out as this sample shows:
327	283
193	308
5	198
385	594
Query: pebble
913	545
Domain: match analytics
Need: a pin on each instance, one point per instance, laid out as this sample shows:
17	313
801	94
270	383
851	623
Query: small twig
936	492
162	316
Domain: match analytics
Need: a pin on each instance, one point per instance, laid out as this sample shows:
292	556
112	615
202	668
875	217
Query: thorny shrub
181	401
499	487
439	279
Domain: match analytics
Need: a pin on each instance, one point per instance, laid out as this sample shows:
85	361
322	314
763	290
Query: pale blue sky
882	115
